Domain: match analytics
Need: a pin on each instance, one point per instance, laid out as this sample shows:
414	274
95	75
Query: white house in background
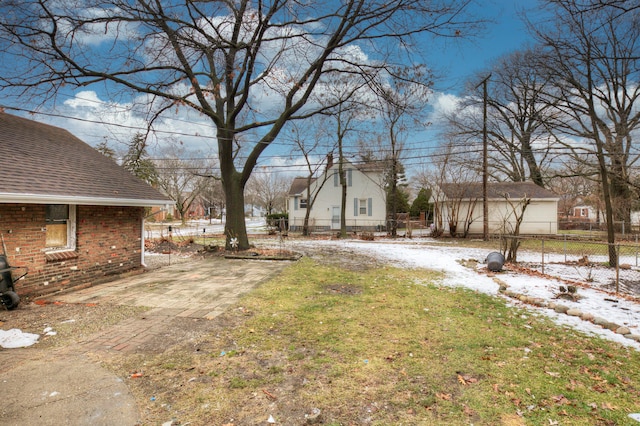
365	206
504	202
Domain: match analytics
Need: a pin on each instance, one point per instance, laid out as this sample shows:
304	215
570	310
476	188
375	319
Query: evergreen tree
138	162
422	204
104	149
401	198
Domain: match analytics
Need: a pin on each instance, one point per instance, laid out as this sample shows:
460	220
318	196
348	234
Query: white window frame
71	233
363	207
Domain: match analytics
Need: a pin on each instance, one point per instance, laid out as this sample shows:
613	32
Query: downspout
144	265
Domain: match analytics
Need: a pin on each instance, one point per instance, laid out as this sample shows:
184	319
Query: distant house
585	213
365	209
460	206
69	214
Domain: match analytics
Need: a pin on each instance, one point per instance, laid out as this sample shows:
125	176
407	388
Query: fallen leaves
603	405
468	411
599	388
560	400
444	396
466	380
608	406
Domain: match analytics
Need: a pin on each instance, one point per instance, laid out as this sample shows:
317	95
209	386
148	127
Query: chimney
329	160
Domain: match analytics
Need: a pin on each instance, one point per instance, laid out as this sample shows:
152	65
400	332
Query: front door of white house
335	217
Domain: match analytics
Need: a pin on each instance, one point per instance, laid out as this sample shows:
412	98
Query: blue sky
454	60
506	32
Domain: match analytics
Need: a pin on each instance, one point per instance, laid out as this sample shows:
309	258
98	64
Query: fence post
618	268
564	248
543	256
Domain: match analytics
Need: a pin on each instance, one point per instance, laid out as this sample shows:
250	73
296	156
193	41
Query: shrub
367	236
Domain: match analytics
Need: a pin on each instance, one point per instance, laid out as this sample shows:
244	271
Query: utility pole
485	162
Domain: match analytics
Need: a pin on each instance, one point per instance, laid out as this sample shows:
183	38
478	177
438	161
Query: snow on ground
426	253
14	338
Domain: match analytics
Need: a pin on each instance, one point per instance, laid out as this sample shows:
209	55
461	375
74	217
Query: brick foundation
108	243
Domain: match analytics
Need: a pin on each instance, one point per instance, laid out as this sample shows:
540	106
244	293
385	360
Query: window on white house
363	207
303	203
348	175
60	222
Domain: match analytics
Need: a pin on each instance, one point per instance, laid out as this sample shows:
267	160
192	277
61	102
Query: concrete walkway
65	388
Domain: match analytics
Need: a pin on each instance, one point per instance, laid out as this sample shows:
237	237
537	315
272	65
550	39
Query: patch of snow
14	338
48	331
422	253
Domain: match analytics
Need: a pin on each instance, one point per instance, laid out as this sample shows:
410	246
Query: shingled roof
496	190
45	164
299	185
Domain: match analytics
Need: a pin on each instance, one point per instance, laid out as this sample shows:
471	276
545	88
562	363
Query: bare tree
450	184
181	179
348	108
520	145
402	103
592	59
576	183
212	197
269	190
219	58
308	140
511	226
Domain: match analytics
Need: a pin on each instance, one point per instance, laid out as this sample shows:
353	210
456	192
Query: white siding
540	217
365	186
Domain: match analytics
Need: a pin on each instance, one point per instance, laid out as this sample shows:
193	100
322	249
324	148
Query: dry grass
384	346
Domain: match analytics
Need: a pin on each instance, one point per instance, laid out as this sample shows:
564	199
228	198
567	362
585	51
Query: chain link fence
610	267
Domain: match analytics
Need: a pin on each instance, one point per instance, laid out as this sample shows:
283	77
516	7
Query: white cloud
94	120
95	33
445	103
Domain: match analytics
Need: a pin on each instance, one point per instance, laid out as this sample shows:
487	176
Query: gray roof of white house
497	190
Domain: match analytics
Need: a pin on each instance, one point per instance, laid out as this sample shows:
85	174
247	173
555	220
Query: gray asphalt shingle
41	159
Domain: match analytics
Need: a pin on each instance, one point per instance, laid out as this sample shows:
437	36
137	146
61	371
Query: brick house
69	214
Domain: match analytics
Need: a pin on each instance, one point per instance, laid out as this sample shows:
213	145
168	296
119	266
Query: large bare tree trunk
235	228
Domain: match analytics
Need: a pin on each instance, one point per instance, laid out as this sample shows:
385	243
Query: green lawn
387	346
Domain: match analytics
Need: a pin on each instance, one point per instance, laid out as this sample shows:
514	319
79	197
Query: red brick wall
108	243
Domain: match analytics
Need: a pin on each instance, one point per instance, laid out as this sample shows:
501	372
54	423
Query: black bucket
495	261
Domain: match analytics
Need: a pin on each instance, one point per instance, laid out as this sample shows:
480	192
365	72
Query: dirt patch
345	258
166	246
347	289
60	325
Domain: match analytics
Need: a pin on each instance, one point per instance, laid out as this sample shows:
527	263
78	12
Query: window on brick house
60	227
